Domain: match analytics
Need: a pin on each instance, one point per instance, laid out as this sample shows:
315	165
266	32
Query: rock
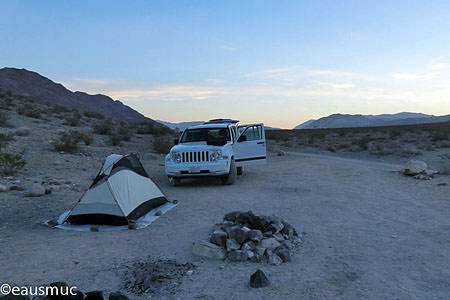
250	254
36	190
279	237
422	177
260	250
219	237
189	272
22	131
94	295
267	234
52	223
210	250
414	167
256	257
237	255
78	296
117	296
283	253
232	245
16	188
94	228
48	191
249	245
259	279
274	259
270	243
275	226
158	213
232	216
239	234
3	188
255	235
288	230
132	225
280	153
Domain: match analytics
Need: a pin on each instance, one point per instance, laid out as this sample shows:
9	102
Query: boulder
117	296
3	188
237	255
414	167
219	237
255	235
288	230
232	245
259	279
232	216
275	226
274	259
94	295
279	237
260	250
239	234
210	250
36	190
249	245
270	243
283	253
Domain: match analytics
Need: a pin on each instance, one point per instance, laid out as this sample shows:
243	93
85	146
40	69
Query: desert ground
368	231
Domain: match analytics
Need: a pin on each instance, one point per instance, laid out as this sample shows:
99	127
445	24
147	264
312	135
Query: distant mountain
180	126
28	83
342	120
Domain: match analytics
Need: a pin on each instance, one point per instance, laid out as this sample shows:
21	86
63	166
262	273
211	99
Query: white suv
218	148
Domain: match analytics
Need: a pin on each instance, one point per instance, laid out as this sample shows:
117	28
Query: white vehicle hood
195	146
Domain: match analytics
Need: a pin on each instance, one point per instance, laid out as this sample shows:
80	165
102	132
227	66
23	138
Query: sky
278	62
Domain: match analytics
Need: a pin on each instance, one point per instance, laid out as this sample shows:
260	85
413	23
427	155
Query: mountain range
346	120
27	83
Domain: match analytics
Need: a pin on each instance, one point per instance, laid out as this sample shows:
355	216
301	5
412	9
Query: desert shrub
439	135
362	142
151	128
93	115
29	110
4	119
82	136
11	163
115	140
124	132
277	135
67	142
5	139
162	144
313	137
105	127
60	109
73	120
444	168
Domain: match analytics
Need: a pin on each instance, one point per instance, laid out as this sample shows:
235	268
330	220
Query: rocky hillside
346	121
41	89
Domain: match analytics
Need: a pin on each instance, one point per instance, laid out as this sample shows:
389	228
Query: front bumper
196	169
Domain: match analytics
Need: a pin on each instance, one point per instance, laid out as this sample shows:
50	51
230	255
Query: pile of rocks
244	236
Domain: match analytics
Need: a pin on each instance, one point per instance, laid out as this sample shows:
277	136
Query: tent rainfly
121	192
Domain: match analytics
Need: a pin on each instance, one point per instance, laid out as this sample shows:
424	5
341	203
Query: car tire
231	176
174	181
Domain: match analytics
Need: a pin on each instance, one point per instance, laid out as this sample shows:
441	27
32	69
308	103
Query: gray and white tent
121	192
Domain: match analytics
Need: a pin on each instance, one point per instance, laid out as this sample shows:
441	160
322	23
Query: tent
121	192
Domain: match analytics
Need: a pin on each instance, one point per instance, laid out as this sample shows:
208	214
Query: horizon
279	63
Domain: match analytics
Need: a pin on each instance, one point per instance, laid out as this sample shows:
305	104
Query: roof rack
216	121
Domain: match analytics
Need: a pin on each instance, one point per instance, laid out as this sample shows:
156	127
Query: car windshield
205	135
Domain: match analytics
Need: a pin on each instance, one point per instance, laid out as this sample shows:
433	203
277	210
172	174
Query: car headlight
216	154
176	156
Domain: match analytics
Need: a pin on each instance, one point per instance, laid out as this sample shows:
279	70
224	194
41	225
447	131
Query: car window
205	134
253	133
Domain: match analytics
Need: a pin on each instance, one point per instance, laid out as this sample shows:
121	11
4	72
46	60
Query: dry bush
151	128
57	109
105	127
93	115
67	142
11	163
162	144
29	110
440	135
73	120
4	119
82	136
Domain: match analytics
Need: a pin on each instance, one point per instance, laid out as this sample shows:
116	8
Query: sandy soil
370	232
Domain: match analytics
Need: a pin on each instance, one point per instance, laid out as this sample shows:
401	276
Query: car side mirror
242	138
175	141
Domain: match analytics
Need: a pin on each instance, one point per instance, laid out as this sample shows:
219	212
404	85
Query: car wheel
230	177
174	181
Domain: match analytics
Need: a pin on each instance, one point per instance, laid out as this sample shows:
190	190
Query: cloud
414	76
439	66
343	86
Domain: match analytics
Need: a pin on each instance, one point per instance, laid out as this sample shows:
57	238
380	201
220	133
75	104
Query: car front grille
195	156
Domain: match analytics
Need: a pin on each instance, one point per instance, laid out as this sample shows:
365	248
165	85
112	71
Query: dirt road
370	233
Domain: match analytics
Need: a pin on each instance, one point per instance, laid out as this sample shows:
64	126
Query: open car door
250	147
